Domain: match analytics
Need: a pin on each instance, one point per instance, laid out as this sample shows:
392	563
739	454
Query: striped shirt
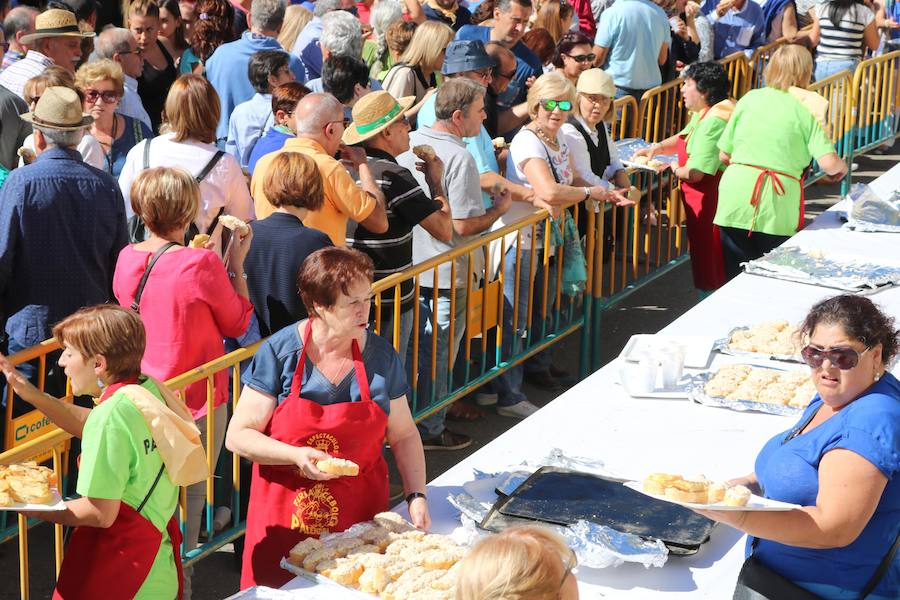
406	206
14	77
844	42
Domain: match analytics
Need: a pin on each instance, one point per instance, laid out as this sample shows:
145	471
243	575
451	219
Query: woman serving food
323	389
840	463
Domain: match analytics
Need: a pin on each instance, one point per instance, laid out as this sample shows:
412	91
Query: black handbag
756	581
136	303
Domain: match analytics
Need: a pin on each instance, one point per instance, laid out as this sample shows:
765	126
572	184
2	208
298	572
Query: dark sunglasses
108	97
583	58
550	105
842	358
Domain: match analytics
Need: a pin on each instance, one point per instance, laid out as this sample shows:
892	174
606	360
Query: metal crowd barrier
836	89
662	113
759	59
739	72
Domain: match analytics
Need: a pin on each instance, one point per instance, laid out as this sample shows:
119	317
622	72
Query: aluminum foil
260	592
628	146
697	393
722	346
870	213
792	263
326	587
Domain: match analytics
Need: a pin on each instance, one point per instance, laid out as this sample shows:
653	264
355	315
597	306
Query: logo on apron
325	442
315	510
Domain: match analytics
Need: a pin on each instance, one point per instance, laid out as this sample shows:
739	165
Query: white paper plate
697	348
756	503
56	504
679	392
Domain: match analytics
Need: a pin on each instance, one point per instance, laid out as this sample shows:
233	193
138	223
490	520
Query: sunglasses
842	358
570	562
583	58
551	105
108	97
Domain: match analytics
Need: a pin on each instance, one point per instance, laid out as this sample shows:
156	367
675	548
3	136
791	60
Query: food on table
743	382
26	482
695	489
233	223
647	162
776	338
424	152
199	241
338	466
388	558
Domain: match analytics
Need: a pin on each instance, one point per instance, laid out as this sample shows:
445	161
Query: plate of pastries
29	486
698	492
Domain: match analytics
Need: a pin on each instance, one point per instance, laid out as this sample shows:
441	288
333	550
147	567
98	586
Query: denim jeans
434	425
827	68
508	384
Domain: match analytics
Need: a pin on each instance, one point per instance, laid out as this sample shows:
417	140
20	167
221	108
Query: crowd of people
358	141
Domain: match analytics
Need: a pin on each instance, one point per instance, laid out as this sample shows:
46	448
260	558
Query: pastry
316	556
499	143
373	580
440	558
338	466
716	492
656	483
736	496
640	160
392	522
342	570
199	241
303	549
424	152
685	490
233	223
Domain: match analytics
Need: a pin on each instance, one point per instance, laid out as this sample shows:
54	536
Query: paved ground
647	310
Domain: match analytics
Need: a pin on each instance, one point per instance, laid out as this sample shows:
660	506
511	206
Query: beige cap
596	81
59	108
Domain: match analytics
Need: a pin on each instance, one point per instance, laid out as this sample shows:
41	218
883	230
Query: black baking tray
563	497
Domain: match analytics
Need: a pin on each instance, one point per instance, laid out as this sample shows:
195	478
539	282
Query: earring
100	384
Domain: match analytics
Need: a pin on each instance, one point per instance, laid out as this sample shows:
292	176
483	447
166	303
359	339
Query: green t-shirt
370	55
119	461
769	128
702	139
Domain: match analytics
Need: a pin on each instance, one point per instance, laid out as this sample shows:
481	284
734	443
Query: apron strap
778	187
297	380
152	487
362	379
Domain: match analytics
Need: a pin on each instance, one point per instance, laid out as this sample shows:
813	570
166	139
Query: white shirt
88	147
224	186
130	105
581	157
15	75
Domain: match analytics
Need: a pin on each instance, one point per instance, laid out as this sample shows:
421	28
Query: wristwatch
415	495
587	193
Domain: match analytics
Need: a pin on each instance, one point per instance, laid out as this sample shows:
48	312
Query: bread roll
303	549
716	492
640	160
373	580
393	522
424	152
199	241
233	223
697	497
656	483
338	466
499	143
737	496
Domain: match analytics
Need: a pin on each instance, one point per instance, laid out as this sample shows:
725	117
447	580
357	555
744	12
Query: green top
119	461
769	128
702	135
369	55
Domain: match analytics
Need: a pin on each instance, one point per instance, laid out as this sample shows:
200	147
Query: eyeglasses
842	358
583	58
136	52
596	99
107	96
551	105
485	73
509	75
570	562
345	122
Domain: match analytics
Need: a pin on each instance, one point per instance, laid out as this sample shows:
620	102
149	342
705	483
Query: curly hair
213	30
565	45
860	318
711	80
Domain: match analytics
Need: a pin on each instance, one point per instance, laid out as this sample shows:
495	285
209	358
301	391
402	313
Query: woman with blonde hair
522	563
767	145
191	116
555	17
296	17
189	300
415	74
103	83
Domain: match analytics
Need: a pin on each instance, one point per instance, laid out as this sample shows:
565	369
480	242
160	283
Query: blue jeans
827	68
508	384
433	425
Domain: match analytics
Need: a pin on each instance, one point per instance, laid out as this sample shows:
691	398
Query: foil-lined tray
813	267
628	146
870	213
697	393
722	346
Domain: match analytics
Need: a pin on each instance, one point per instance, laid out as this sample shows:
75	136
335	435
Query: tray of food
697	348
699	492
776	340
814	267
386	557
749	388
27	486
628	146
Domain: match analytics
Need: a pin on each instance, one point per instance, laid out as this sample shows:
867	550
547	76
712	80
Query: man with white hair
341	36
226	69
56	41
306	48
19	22
320	127
119	45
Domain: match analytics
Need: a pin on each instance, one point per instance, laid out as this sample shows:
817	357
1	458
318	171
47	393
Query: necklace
552	142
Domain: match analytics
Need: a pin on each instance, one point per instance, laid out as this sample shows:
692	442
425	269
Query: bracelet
415	495
587	193
233	275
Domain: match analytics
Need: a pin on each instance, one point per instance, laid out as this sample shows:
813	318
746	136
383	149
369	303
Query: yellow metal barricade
739	73
662	112
758	61
627	118
874	102
837	89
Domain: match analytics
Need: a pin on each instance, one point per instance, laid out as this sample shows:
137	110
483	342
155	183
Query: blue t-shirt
273	365
634	31
273	140
739	30
527	64
869	427
135	131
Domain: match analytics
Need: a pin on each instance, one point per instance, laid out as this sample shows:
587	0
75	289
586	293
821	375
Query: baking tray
722	347
563	496
697	394
628	146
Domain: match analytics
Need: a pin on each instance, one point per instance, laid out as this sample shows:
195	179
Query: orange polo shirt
343	198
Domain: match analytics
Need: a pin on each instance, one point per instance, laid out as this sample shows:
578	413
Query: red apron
778	187
700	201
285	507
113	563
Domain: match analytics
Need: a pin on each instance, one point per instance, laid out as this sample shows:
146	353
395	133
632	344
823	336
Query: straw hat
596	81
373	113
55	23
59	108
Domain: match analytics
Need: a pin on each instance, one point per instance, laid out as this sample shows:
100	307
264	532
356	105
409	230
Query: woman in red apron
323	387
126	539
705	94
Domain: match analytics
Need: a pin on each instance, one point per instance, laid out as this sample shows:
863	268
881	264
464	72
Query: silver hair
62	139
21	18
341	34
324	7
267	15
315	110
113	40
383	14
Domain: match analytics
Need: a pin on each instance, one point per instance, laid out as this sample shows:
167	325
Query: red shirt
188	307
363	12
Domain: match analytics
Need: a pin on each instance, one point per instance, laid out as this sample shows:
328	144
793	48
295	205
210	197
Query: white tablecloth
635	436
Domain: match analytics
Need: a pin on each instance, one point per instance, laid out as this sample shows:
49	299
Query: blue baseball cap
466	55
